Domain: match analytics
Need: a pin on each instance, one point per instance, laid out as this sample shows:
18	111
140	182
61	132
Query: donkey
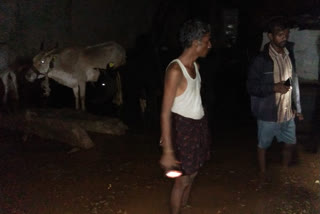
74	66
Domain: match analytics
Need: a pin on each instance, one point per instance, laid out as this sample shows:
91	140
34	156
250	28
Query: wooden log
87	121
47	128
64	125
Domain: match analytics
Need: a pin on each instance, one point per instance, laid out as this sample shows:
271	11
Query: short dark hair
277	24
191	30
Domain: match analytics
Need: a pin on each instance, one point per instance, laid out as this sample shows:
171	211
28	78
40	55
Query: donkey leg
76	96
15	103
82	87
6	88
14	85
4	99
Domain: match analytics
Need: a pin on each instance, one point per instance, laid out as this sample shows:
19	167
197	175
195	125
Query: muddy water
122	175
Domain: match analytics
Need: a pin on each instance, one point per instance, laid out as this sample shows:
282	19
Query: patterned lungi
191	142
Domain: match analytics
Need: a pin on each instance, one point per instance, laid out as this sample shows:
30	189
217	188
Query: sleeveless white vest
189	103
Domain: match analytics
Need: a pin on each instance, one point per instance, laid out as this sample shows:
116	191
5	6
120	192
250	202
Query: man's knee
289	146
192	176
182	182
185	181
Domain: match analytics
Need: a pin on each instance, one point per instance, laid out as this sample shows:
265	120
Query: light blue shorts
284	132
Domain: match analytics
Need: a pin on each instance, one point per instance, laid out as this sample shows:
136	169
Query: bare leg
262	160
186	193
178	192
287	154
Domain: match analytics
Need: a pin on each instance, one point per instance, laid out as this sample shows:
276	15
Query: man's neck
188	57
277	49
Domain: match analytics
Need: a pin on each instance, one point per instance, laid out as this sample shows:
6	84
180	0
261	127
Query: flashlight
173	172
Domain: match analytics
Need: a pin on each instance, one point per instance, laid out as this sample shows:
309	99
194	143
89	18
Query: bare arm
173	79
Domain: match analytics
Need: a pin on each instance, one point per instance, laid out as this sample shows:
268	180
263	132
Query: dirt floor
121	174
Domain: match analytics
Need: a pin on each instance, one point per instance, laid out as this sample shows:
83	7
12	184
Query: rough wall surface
25	24
306	50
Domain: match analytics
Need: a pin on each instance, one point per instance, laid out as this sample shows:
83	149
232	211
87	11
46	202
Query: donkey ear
42	46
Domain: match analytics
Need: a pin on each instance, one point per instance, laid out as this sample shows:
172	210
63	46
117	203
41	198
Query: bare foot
264	178
187	206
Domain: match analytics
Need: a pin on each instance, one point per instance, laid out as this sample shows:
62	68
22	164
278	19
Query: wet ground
122	175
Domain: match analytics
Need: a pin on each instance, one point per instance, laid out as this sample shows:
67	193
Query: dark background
148	30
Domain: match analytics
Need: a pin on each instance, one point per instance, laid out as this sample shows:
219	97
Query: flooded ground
122	175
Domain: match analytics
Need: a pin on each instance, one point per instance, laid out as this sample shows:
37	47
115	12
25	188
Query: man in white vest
184	131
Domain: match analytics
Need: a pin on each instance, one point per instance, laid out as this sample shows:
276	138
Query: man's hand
168	160
300	116
281	88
